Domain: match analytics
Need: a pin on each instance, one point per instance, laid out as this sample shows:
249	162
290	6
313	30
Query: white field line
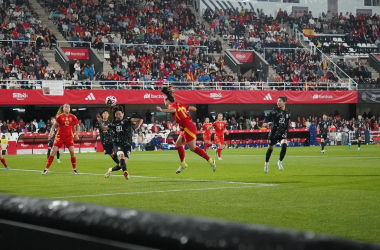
157	177
158	191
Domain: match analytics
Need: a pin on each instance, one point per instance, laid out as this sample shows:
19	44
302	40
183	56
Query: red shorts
206	137
68	141
219	139
189	132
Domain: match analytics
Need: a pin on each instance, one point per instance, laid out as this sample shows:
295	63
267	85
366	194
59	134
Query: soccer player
206	130
51	140
4	143
279	118
106	136
324	127
122	141
358	125
187	126
220	128
65	135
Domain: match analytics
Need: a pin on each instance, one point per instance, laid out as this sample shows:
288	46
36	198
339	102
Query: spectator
148	117
141	141
156	142
32	128
40	123
155	128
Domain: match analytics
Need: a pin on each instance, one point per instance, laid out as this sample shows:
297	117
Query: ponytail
60	111
169	92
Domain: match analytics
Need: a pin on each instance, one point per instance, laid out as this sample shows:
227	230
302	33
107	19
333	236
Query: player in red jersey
206	128
65	135
187	126
220	128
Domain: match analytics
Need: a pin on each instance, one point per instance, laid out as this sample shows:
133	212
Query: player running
122	141
187	126
324	128
65	135
358	126
220	128
279	117
51	141
106	136
4	143
206	130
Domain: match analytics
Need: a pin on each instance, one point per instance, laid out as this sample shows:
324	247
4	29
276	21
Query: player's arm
138	122
52	130
171	111
94	132
225	130
268	118
192	108
101	126
76	137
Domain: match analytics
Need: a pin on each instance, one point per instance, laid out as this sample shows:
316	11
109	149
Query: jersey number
119	128
282	120
67	123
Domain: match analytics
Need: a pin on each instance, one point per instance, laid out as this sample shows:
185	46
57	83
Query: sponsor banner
76	54
52	87
90	96
297	97
254	131
242	56
369	96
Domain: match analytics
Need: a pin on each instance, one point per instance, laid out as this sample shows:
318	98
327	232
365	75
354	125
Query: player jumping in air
65	135
279	117
220	128
187	126
324	128
358	126
106	136
51	140
206	130
122	141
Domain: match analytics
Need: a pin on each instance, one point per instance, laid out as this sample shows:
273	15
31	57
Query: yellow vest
4	141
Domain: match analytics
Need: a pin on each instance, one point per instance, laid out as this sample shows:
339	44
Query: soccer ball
111	101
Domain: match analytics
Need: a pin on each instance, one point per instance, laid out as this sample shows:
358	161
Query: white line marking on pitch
158	191
156	177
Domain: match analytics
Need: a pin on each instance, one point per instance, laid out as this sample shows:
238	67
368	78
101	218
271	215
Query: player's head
360	117
220	117
324	117
105	114
169	92
52	120
281	101
207	120
66	108
119	112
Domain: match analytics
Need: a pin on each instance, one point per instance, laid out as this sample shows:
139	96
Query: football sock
4	162
201	153
359	142
219	151
123	165
48	153
268	154
323	145
181	153
283	151
206	146
49	162
116	168
74	162
58	154
114	158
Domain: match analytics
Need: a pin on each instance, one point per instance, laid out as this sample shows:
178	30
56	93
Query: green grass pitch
336	193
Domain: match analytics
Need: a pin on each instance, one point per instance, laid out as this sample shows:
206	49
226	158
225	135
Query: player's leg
220	148
322	144
116	149
3	161
284	145
56	146
108	150
268	154
123	155
73	158
181	152
191	142
359	142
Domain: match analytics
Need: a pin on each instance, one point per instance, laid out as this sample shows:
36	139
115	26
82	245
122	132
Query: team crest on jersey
122	123
67	118
287	116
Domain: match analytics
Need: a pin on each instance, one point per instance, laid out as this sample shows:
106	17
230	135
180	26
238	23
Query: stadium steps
50	57
43	16
375	74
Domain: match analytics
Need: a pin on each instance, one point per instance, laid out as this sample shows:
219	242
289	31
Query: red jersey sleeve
75	120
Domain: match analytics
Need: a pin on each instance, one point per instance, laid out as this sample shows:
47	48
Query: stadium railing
65	225
151	85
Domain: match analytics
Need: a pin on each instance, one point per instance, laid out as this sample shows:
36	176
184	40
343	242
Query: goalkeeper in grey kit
106	136
279	118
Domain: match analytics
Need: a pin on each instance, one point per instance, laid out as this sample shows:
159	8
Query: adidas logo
268	97
41	145
90	97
